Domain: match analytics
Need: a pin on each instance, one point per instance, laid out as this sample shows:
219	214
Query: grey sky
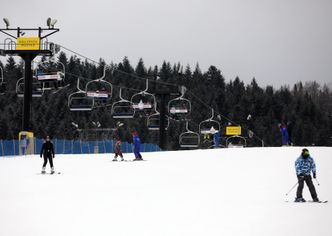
277	41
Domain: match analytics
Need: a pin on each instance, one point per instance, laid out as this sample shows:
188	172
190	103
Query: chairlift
144	101
153	121
189	139
123	108
78	101
2	83
100	90
51	77
179	108
37	88
236	141
209	126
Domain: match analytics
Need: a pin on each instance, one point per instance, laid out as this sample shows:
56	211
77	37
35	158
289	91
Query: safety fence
63	146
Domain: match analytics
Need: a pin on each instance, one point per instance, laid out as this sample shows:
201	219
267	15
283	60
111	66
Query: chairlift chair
122	109
100	90
209	126
179	108
79	101
153	121
2	83
144	101
51	77
37	88
240	142
189	139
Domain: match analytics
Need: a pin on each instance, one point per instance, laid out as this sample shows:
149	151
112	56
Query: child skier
304	165
137	147
117	150
47	151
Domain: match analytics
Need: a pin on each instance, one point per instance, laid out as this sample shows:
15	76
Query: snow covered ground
203	192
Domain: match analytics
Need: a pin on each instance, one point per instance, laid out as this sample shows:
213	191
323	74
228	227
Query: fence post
3	153
15	148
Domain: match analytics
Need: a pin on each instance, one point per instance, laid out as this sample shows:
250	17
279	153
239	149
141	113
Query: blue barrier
63	146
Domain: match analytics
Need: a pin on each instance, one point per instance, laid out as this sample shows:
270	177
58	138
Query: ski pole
317	182
292	188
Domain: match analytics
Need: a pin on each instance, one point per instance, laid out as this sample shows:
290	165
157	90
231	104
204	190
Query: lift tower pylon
28	48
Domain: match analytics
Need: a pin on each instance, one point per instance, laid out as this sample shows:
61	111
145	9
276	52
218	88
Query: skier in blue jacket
216	140
304	165
137	146
284	134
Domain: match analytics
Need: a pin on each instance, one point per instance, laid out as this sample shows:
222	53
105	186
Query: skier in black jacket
48	151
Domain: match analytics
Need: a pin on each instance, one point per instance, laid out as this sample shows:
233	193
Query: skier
289	130
137	146
117	150
304	165
48	151
284	133
216	139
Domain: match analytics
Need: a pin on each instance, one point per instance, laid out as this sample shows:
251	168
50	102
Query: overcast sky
276	41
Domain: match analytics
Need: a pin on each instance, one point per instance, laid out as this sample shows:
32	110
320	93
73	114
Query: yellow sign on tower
28	43
233	130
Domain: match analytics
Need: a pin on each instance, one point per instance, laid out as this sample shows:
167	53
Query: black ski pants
308	180
49	158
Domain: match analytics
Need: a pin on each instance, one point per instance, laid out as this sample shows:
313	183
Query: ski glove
314	174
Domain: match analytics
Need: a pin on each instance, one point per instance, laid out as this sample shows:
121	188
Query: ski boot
52	171
122	159
315	199
300	199
115	159
43	171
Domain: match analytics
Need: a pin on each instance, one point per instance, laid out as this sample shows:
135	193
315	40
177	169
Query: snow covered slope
210	192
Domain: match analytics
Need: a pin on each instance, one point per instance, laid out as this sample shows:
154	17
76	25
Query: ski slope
203	192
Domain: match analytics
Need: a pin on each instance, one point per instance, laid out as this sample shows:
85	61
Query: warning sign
28	43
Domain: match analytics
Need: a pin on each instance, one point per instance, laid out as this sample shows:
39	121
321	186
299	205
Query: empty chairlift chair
144	102
153	121
189	139
122	109
37	88
79	101
179	108
209	126
100	90
236	141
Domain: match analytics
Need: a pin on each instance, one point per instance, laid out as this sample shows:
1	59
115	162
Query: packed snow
239	191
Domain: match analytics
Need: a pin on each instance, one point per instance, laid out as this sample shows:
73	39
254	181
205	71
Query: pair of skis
325	201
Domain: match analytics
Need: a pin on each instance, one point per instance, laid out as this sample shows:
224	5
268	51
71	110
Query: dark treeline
307	108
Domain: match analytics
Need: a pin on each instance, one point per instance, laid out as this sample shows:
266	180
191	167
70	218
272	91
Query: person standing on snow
47	151
304	165
137	146
117	150
284	133
216	139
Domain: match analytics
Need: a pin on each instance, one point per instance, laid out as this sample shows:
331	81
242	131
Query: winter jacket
305	166
285	136
216	139
47	149
117	147
137	143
